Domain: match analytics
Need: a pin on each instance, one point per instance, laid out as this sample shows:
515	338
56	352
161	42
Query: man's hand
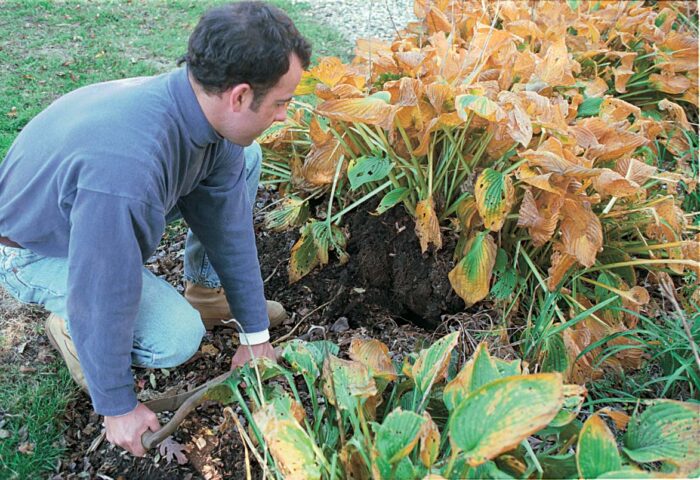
125	431
243	353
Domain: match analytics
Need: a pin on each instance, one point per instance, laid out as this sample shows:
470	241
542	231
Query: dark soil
388	290
386	276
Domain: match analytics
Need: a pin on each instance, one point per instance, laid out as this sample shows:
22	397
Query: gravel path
362	18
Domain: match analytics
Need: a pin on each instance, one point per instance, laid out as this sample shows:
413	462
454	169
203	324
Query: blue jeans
167	331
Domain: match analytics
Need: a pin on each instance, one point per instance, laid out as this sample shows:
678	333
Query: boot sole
54	344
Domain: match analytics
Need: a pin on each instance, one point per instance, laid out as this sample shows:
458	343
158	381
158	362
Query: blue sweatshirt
92	177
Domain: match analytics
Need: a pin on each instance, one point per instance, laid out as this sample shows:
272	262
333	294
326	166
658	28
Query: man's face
243	125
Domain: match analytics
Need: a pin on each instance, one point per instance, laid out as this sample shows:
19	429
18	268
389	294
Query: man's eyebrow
287	99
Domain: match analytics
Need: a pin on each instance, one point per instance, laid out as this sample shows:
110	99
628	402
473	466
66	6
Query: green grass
48	49
51	48
32	409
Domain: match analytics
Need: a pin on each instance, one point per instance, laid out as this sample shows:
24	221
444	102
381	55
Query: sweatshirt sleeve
108	236
219	213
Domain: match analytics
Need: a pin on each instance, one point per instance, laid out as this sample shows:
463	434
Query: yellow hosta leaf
427	225
321	163
615	144
480	105
375	356
677	113
550	162
561	263
289	444
431	365
329	71
620	418
674	84
616	110
556	69
307	85
524	28
429	436
353	464
613	184
345	90
494	195
596	452
373	110
438	94
596	87
346	382
437	21
304	256
472	275
581	232
541	218
519	124
634	170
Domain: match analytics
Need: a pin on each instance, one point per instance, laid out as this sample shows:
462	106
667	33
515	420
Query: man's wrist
254	338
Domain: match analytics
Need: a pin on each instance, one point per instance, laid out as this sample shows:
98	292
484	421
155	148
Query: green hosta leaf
398	434
559	466
505	285
498	416
326	238
288	443
392	199
292	211
301	359
431	365
494	195
634	473
508	367
554	357
321	349
596	452
574	395
471	277
477	372
367	169
489	470
506	277
266	368
346	383
590	107
404	469
480	105
666	431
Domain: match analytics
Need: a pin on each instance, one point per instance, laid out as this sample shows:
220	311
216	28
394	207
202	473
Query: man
87	188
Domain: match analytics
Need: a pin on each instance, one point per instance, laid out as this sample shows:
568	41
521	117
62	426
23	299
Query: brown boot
58	336
213	308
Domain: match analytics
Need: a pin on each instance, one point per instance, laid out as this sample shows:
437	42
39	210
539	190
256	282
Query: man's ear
239	96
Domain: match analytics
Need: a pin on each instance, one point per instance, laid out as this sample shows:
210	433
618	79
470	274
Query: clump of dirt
387	274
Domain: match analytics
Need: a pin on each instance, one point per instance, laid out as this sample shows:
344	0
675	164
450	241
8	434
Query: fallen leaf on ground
27	448
170	449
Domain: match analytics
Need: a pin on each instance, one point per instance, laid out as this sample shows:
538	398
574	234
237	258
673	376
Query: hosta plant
368	416
550	138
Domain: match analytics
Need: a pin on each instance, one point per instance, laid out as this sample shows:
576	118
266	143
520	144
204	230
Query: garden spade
217	389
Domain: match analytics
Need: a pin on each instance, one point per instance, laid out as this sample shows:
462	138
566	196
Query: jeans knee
184	340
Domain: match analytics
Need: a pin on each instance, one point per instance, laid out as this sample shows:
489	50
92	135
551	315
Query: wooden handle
151	439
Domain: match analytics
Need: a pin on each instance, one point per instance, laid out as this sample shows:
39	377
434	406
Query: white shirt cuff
254	338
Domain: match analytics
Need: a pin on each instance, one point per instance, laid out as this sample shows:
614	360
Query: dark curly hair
244	42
